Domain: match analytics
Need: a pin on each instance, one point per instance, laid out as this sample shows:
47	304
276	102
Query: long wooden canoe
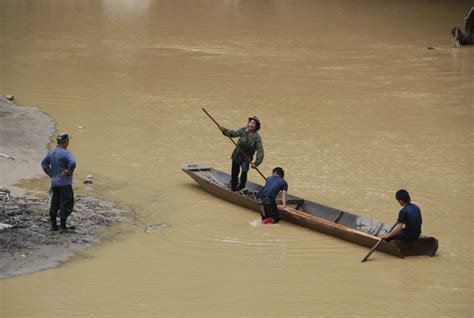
315	216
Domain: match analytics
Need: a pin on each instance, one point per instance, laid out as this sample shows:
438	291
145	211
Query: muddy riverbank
25	133
29	245
26	242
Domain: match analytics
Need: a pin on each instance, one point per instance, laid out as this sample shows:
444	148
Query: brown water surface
353	106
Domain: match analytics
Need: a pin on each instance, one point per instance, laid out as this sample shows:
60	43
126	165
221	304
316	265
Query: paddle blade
372	250
366	257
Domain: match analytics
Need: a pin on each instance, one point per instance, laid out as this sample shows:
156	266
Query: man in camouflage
249	142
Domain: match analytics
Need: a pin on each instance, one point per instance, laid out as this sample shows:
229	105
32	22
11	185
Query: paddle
236	145
377	245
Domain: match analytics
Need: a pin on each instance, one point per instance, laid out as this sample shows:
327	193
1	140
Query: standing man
408	227
59	165
249	142
269	193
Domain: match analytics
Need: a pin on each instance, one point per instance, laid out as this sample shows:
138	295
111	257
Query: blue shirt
410	215
273	185
55	162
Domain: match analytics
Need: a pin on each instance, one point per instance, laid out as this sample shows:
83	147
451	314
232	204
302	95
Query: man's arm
260	153
232	133
284	198
397	229
45	164
71	165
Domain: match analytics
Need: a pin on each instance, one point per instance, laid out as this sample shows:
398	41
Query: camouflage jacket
247	146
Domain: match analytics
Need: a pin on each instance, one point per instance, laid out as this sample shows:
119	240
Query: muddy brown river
353	104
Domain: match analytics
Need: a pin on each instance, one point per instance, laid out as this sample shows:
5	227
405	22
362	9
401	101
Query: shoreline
25	134
26	243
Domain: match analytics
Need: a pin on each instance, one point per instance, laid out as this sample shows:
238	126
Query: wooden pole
377	245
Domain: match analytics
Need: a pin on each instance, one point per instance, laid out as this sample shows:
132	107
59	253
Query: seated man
269	193
408	227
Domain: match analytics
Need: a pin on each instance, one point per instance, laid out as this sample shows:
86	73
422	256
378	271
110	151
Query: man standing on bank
249	142
59	165
408	227
269	193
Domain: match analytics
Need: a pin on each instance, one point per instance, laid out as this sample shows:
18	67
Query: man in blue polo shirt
59	165
408	227
269	193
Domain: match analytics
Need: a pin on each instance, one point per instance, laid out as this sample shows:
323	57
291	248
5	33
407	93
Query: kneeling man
269	193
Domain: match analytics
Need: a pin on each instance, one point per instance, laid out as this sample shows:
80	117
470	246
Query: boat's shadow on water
193	186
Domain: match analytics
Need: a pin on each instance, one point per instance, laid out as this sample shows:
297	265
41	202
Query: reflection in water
352	104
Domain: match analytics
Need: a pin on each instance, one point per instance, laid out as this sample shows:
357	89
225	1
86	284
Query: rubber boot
66	229
268	221
54	225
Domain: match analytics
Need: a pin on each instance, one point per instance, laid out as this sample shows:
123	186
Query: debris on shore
89	180
26	242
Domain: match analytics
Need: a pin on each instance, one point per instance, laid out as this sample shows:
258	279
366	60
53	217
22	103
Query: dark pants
268	209
402	237
62	201
235	174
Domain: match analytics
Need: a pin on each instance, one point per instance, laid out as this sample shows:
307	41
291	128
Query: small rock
3	189
431	48
89	179
154	227
4	194
10	97
4	226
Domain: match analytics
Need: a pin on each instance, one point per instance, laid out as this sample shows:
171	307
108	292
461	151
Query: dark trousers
62	201
402	237
268	209
235	174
